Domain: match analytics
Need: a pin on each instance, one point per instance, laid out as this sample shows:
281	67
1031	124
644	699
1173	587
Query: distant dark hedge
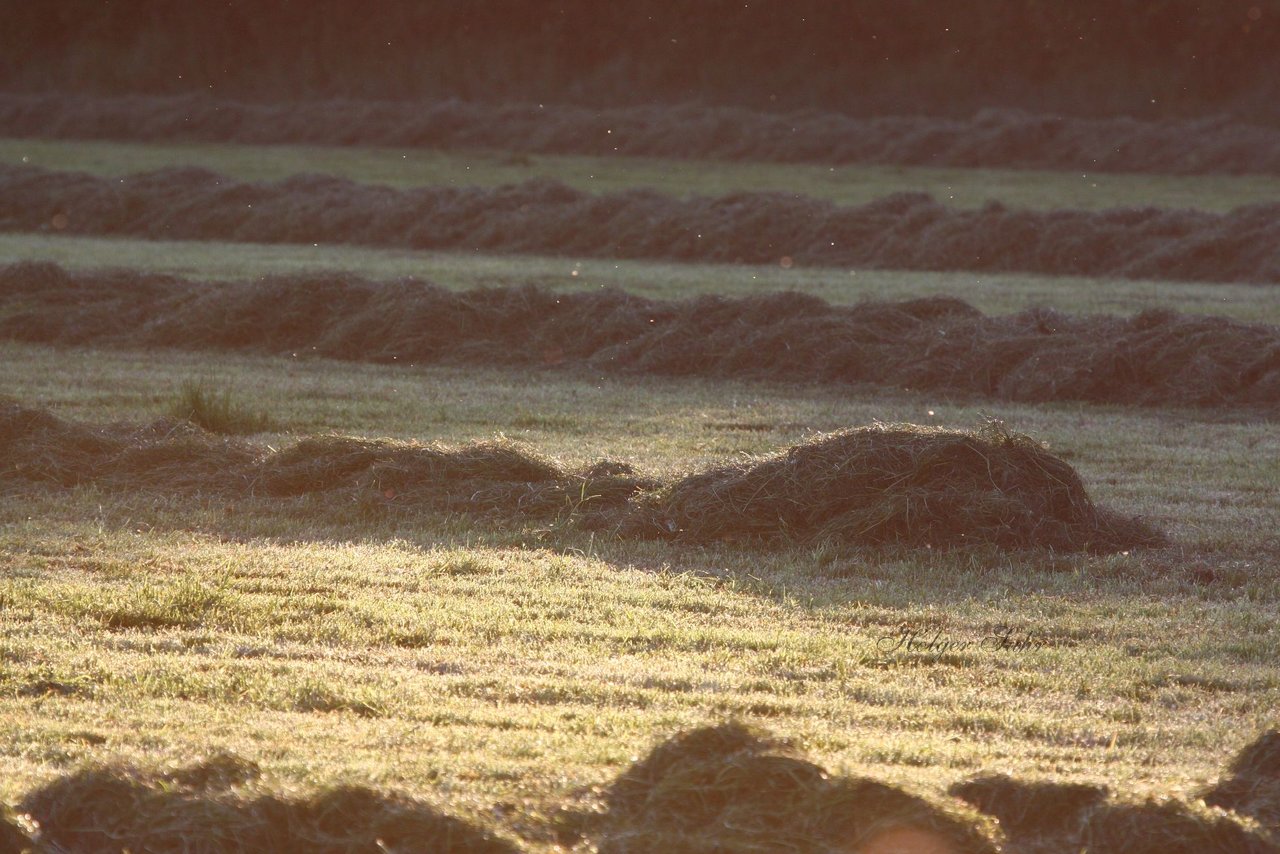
1141	57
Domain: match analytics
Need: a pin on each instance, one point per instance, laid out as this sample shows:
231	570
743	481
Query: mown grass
480	665
998	293
849	185
496	670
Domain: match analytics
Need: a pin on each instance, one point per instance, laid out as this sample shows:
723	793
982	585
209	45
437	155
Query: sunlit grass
498	669
217	410
475	663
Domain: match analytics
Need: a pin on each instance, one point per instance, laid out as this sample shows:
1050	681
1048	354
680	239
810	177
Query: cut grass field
846	185
496	669
502	669
993	293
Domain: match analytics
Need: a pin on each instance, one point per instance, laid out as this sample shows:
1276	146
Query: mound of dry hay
1064	818
940	344
908	485
115	809
730	788
991	138
909	231
726	788
883	484
500	477
1252	784
163	454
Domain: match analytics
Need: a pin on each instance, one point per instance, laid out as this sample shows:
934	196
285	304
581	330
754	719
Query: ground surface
497	669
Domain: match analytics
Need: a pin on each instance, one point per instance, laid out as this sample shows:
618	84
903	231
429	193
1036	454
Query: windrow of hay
113	809
937	344
1070	818
1239	815
725	788
991	138
497	477
901	231
916	486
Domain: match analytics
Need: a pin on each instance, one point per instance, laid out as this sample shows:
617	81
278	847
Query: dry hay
110	809
907	485
938	344
1040	817
991	138
172	455
901	484
902	231
1252	784
726	788
498	477
1168	826
731	788
15	836
1028	809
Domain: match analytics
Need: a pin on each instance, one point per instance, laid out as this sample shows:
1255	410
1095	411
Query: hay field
375	655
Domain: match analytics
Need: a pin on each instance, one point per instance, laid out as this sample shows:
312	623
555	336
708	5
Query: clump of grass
217	410
181	603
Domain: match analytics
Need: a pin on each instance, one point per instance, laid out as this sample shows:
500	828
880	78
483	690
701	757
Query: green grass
999	293
850	185
217	410
478	665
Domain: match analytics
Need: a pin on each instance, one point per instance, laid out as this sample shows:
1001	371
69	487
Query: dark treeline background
1145	58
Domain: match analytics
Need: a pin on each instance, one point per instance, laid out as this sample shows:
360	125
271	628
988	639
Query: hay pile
909	231
900	484
1252	784
1058	818
496	477
726	788
991	138
1068	818
730	788
112	809
905	485
939	344
164	454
